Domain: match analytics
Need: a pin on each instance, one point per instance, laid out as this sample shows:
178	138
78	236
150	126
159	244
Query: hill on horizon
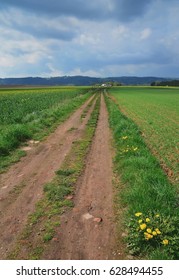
78	81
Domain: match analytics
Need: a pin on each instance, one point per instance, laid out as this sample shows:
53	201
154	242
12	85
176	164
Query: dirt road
88	231
22	186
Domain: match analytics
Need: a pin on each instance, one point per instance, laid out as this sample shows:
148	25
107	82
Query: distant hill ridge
78	81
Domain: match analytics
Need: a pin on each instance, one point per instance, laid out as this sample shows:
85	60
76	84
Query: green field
34	113
146	200
156	112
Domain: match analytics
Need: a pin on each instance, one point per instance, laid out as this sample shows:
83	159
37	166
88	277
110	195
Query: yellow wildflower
147	220
158	231
143	226
149	230
138	214
157	216
165	242
148	235
140	221
154	233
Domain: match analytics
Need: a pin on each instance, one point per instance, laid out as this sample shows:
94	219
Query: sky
97	38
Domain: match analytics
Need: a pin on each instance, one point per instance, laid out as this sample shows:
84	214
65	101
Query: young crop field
156	112
20	106
147	202
29	113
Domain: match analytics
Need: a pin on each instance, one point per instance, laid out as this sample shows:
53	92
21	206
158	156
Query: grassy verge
38	128
156	112
149	199
44	223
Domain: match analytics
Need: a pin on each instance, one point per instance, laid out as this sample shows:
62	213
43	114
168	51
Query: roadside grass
42	124
44	223
156	112
149	200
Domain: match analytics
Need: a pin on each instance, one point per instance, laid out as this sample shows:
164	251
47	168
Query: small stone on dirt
124	234
26	148
20	175
97	220
33	142
69	197
87	216
55	239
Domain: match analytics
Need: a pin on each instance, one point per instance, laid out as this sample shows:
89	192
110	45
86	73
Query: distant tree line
172	83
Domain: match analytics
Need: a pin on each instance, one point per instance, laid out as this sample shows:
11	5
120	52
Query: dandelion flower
158	231
147	220
143	226
148	235
149	230
157	216
154	233
165	242
140	221
138	214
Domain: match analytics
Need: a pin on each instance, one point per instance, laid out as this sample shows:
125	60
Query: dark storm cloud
124	10
77	8
130	9
41	31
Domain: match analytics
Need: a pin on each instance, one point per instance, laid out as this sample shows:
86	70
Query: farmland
33	113
100	178
156	112
144	122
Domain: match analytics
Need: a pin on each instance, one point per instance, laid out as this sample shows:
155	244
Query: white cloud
145	34
90	73
120	31
53	71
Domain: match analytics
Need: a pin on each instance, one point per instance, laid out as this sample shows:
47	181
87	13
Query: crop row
17	106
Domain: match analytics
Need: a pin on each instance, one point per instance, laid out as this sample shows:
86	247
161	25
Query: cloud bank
96	38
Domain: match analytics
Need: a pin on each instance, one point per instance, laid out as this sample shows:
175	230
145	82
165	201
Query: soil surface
22	186
88	231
